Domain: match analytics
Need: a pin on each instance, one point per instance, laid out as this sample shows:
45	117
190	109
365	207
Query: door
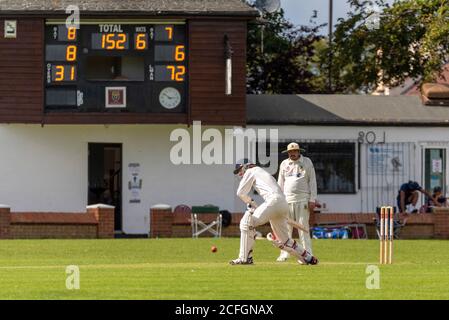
105	177
435	168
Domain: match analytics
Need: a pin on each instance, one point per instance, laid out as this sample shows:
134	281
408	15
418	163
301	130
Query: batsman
274	209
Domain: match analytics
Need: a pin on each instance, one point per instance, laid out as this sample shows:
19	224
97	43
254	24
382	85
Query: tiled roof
320	109
195	7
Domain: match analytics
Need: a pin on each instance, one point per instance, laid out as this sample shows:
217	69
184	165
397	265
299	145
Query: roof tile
202	7
320	109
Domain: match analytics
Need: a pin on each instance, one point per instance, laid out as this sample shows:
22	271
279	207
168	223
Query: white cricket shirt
261	181
297	180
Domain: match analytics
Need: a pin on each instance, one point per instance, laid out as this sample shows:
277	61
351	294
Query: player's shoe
238	261
308	258
282	258
312	261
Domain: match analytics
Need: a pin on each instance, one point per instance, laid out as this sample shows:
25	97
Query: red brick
5	222
161	223
104	215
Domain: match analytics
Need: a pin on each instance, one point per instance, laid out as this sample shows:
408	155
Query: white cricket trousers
273	210
299	211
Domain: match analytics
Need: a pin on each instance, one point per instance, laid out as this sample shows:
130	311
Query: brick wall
53	231
5	221
419	226
104	215
441	223
161	222
96	222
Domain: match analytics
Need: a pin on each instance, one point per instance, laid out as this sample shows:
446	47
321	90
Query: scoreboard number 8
71	33
71	53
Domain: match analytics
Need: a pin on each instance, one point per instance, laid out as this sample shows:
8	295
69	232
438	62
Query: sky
300	11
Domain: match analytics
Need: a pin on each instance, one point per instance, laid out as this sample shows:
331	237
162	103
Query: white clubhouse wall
45	168
421	137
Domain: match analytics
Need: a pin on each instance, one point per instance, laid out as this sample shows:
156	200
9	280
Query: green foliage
410	41
287	62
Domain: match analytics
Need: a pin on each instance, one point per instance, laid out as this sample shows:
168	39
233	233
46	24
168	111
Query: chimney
435	94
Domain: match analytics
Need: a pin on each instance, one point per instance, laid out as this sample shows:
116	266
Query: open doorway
105	177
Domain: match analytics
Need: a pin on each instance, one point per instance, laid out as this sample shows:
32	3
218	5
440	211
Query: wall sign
370	137
115	97
10	29
134	183
385	160
437	166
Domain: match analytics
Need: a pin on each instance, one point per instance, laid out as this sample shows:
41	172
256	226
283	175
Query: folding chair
182	208
206	218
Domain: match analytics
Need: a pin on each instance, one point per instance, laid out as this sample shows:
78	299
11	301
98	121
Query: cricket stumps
386	235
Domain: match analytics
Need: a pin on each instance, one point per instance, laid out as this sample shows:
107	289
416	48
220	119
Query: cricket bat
297	225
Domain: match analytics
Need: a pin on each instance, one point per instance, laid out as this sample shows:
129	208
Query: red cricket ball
213	249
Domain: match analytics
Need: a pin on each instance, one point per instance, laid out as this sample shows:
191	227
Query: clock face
170	98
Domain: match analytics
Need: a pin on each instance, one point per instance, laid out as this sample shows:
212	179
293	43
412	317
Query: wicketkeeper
298	182
274	209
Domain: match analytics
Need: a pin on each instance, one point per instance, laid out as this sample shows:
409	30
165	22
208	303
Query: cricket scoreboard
131	66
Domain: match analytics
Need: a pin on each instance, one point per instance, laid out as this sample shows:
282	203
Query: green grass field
186	269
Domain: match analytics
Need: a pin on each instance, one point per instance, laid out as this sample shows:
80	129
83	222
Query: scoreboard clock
112	66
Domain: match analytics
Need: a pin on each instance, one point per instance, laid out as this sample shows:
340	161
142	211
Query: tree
410	40
287	62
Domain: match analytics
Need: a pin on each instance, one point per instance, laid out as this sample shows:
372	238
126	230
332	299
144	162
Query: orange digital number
180	74
120	44
72	73
71	33
177	73
59	73
179	53
173	71
110	41
71	53
141	43
107	41
170	32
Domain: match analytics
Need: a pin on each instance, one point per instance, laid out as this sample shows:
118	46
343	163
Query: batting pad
247	236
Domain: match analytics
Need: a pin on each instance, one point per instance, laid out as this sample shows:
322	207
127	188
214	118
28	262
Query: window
334	164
